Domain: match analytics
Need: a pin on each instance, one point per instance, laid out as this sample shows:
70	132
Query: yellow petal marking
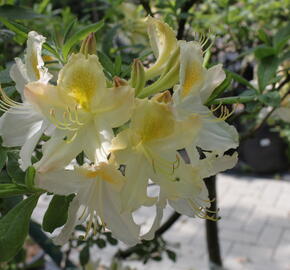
158	123
193	75
34	63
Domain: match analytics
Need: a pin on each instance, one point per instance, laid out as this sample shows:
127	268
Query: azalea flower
22	125
149	146
184	188
83	109
196	85
97	200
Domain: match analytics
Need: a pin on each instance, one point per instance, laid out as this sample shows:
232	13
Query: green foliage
80	35
84	256
267	68
56	213
14	228
12	12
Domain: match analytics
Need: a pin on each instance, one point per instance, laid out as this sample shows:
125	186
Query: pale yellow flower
83	110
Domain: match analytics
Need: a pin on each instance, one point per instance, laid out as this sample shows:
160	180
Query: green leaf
111	239
56	213
29	177
20	30
262	35
84	255
271	99
14	228
267	70
12	12
101	243
68	30
281	38
9	190
106	62
171	255
80	35
264	51
13	169
118	65
241	80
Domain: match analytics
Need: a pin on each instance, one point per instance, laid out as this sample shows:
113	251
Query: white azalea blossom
97	200
148	147
196	85
83	110
22	125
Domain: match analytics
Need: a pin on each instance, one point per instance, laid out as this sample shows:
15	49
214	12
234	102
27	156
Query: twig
263	122
123	254
181	24
146	6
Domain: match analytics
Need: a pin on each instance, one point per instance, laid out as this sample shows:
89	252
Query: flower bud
89	45
137	76
118	82
164	97
168	78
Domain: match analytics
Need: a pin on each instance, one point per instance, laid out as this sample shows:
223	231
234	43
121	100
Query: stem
212	236
46	244
233	100
184	9
146	6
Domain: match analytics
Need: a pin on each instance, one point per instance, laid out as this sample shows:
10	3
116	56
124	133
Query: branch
212	236
263	122
123	254
146	6
184	9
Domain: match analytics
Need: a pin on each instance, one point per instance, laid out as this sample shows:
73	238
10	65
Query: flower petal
61	182
18	124
192	73
212	165
217	136
58	151
33	60
18	73
74	211
116	105
214	77
122	225
163	43
45	98
160	205
29	146
82	79
134	193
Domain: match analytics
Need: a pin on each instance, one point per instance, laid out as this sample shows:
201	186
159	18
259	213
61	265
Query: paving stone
248	253
270	236
238	236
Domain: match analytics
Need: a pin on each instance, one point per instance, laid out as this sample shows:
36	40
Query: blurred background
251	39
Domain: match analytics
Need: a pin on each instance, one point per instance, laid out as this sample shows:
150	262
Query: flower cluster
131	132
